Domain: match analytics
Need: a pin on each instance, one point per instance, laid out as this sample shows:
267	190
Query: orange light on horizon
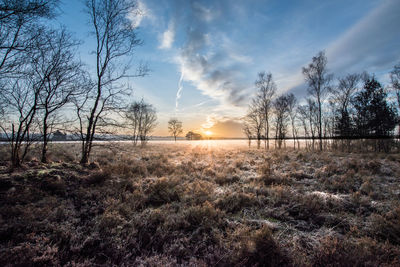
208	133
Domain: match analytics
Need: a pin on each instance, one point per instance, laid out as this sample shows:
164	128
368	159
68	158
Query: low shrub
261	249
235	202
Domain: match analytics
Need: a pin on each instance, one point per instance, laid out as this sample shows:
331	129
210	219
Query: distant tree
266	91
175	127
193	136
247	131
341	96
115	40
281	108
292	111
312	116
318	80
255	119
395	80
375	117
141	120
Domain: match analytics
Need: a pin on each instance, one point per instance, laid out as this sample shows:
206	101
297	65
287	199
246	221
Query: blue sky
205	55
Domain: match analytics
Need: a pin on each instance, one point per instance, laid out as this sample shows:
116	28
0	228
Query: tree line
334	112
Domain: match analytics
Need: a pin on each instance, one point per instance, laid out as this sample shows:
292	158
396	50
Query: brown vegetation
197	206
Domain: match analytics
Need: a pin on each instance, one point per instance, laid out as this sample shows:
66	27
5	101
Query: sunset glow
208	133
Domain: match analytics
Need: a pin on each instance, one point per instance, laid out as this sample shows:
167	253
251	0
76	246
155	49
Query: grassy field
201	205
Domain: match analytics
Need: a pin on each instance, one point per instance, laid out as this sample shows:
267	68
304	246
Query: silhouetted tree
281	108
18	25
318	80
375	117
255	119
141	120
266	91
115	39
247	132
175	127
341	96
54	65
292	111
21	98
193	136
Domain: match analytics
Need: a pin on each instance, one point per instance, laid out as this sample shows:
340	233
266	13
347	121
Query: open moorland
200	205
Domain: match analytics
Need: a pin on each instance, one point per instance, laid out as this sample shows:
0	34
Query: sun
208	133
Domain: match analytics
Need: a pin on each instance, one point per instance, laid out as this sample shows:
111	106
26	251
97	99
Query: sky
204	56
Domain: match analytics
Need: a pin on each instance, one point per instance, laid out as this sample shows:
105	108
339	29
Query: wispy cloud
141	13
371	42
207	65
168	36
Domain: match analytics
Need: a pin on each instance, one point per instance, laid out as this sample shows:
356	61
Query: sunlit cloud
141	13
167	38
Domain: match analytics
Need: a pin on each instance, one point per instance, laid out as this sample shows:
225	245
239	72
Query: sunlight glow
208	133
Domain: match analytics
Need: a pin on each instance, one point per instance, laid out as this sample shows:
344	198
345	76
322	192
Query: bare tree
116	39
341	96
318	79
247	131
281	108
175	127
266	91
255	120
312	118
21	98
141	120
292	111
302	111
54	66
18	29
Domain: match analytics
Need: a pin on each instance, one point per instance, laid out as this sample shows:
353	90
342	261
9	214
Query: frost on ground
201	205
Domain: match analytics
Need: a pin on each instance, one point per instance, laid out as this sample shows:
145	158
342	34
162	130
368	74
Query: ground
201	205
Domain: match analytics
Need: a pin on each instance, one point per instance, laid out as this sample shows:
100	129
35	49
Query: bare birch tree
318	80
54	65
266	91
116	38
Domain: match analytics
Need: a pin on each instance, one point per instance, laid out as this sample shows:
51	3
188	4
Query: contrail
178	93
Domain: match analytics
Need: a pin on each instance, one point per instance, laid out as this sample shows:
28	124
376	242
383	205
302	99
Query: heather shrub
339	251
162	191
261	249
197	192
374	166
387	227
226	178
98	177
53	184
235	202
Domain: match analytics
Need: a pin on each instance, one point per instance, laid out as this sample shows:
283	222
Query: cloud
223	127
167	38
141	13
373	42
207	65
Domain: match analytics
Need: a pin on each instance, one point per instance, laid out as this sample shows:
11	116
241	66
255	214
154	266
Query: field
201	204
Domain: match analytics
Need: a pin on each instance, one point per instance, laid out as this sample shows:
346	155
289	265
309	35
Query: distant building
59	136
193	136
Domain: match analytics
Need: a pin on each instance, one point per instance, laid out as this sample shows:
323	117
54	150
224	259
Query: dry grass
172	205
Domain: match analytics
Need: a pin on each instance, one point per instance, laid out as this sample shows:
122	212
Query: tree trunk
44	148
